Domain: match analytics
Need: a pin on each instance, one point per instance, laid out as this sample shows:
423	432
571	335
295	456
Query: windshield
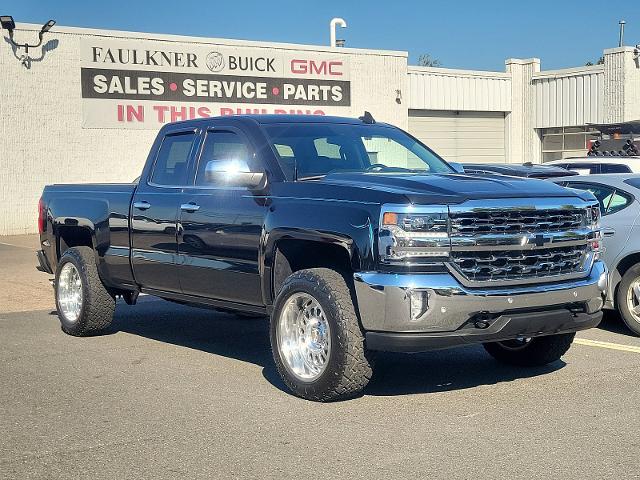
312	150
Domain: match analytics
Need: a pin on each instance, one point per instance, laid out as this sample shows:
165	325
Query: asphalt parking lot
177	392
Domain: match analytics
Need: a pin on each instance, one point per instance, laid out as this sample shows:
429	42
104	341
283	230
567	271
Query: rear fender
89	214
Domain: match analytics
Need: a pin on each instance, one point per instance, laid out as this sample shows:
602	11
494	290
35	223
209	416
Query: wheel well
622	267
72	236
293	255
627	262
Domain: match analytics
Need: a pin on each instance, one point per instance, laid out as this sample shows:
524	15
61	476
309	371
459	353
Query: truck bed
104	208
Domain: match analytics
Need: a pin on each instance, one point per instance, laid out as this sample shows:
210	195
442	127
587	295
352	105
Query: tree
426	60
599	62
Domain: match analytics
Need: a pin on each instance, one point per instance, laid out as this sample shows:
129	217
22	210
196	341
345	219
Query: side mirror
233	173
458	167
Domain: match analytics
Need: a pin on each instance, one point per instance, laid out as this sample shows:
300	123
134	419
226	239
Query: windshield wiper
379	167
311	177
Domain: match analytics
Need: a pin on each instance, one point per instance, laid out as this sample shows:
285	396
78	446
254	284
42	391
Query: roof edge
123	34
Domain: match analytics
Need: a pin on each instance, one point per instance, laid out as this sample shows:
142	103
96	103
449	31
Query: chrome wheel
69	292
517	344
304	337
633	299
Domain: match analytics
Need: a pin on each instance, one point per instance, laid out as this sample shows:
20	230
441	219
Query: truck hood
451	188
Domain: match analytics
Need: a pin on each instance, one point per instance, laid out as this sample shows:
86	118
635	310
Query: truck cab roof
268	119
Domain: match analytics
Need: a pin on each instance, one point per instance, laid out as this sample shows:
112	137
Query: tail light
41	216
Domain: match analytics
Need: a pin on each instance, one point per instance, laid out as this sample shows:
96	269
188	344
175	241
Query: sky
461	33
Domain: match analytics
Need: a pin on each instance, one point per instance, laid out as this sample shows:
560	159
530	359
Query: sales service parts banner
128	84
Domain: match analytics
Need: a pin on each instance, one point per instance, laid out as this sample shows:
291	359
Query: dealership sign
128	84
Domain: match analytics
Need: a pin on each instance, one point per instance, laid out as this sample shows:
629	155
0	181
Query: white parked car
597	165
619	198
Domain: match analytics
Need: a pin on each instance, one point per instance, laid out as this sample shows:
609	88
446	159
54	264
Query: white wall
569	97
523	142
465	90
621	89
43	141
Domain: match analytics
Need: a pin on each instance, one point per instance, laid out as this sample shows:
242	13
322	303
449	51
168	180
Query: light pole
332	31
8	23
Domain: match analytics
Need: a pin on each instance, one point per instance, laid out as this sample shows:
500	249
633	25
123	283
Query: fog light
418	303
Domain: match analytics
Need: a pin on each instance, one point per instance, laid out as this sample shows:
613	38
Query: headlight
593	222
409	234
593	217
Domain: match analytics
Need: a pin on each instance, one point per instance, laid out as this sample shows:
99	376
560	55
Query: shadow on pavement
247	340
611	322
441	371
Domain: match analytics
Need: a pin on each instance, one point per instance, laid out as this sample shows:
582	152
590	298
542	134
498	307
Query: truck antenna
367	118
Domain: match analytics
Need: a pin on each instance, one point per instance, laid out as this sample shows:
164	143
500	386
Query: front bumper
454	315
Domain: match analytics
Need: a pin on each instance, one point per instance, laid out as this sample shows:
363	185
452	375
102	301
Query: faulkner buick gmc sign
127	84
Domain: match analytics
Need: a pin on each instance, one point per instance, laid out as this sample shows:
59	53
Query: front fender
614	274
348	225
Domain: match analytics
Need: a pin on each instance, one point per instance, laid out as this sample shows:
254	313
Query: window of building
563	142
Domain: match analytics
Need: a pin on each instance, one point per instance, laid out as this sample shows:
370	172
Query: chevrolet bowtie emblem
540	240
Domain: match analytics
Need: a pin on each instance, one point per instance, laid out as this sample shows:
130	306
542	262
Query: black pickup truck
351	235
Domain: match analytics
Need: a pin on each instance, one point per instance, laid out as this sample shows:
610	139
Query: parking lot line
16	246
612	346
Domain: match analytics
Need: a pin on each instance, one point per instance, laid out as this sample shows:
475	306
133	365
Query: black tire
349	365
98	304
631	321
534	353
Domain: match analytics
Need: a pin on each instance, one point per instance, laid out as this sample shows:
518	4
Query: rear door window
634	182
584	168
618	201
173	159
610	199
614	168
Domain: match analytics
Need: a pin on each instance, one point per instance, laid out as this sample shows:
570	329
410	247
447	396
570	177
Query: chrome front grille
471	223
482	266
520	241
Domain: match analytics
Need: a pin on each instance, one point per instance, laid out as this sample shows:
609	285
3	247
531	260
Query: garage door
461	136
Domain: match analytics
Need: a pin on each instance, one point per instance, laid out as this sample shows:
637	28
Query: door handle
142	205
608	232
189	207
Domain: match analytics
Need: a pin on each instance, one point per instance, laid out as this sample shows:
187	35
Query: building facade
85	107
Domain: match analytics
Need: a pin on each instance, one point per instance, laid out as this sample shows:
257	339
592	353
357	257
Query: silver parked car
619	198
598	164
